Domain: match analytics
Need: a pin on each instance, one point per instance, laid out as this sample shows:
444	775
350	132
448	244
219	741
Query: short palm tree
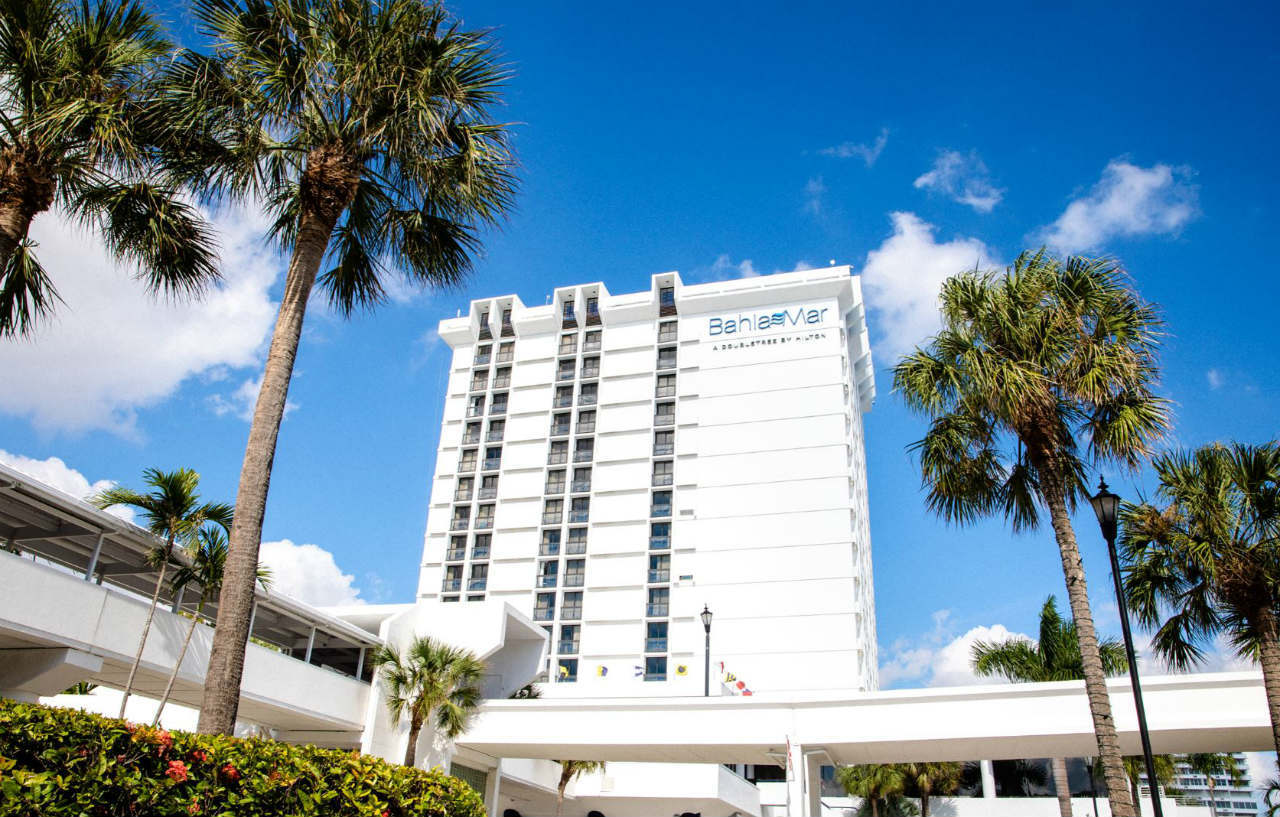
925	780
364	127
207	554
1135	769
1037	372
1207	560
174	512
569	769
1054	657
432	684
1212	765
875	783
73	81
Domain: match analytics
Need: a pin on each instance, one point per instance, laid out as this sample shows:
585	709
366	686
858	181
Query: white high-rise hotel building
611	465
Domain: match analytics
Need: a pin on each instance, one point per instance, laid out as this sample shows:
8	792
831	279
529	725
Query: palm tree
1135	769
172	511
73	77
1211	765
431	683
1207	563
1054	657
1036	372
207	556
874	783
364	126
569	769
924	780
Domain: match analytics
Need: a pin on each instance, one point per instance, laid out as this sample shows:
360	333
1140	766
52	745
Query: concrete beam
45	671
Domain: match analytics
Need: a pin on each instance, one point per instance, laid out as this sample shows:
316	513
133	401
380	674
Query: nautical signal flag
729	677
602	670
681	669
741	685
564	671
639	670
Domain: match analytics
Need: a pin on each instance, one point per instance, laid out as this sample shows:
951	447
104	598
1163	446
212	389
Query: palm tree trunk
1061	785
1137	799
1213	797
173	676
14	224
1095	683
875	811
27	189
411	751
146	626
924	804
566	774
1269	658
235	602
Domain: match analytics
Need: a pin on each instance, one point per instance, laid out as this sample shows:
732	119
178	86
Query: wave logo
764	321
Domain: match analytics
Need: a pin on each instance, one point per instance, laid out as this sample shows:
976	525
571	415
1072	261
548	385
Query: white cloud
1127	201
937	658
964	178
242	401
724	268
55	473
112	349
903	275
860	150
308	573
814	190
1215	378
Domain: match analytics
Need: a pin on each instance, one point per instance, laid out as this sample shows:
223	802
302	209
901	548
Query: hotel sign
748	323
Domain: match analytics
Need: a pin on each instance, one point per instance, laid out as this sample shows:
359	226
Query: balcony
552	518
591	346
560	430
471	438
573	579
590	372
479	385
579	516
576	548
547	580
480	552
660	510
655	645
462	496
455	555
666	363
664	419
487	493
484	522
585	399
506	355
656	610
662	480
494	436
557	458
544	614
452	585
549	549
466	466
564	374
485	332
659	576
477	584
567	349
460	524
567	648
492	465
571	614
568	319
580	486
475	411
583	456
664	449
508	331
554	488
563	401
655	676
498	408
659	543
668	336
587	428
503	382
483	358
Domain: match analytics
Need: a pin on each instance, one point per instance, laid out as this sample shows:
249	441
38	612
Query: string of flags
730	680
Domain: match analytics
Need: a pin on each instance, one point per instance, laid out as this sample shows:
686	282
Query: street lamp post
706	678
1106	505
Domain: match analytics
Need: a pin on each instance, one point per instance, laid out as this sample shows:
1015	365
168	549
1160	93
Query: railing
554	488
452	585
580	486
655	645
579	516
467	464
557	458
492	465
655	676
663	449
664	419
571	614
544	613
494	436
564	374
662	480
477	584
549	549
460	524
498	408
591	346
480	552
589	372
585	399
455	555
583	455
660	510
488	493
587	428
462	496
475	411
568	349
665	391
547	580
563	402
573	579
503	382
667	337
482	360
484	522
507	356
471	439
666	363
659	543
659	576
576	548
567	647
559	429
552	518
479	385
656	609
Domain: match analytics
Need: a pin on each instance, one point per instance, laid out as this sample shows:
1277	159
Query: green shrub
66	763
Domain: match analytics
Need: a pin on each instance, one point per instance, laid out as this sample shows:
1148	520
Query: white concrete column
813	781
988	779
797	794
492	790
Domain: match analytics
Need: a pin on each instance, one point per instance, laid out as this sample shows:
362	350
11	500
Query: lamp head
1107	506
705	615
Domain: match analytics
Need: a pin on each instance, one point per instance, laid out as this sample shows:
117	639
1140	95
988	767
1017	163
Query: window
480	381
480	550
547	573
484	517
489	486
484	321
449	598
664	414
499	403
591	341
581	480
572	610
502	378
593	308
666	296
452	578
544	607
587	394
475	407
457	549
591	367
550	543
660	536
574	571
476	598
583	450
568	344
659	568
479	577
560	424
667	358
564	397
467	462
496	429
655	668
555	482
493	458
506	319
664	443
658	606
559	452
662	472
587	421
461	517
655	636
482	354
506	352
463	492
661	504
567	310
580	509
569	638
667	332
564	370
553	512
567	672
666	386
472	434
577	544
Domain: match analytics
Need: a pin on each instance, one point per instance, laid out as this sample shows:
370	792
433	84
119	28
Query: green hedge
66	763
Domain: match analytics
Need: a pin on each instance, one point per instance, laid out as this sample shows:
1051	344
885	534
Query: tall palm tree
1211	765
364	126
172	511
1207	562
924	780
431	683
874	783
1036	372
569	769
73	80
1054	657
207	556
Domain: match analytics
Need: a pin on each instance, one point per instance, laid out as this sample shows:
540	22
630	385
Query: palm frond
27	295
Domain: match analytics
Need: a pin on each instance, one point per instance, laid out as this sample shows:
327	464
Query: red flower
194	808
177	771
199	755
231	772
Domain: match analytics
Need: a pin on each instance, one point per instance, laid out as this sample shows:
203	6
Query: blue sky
719	141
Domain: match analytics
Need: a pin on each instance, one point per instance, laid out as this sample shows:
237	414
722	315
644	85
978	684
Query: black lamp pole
1106	505
706	678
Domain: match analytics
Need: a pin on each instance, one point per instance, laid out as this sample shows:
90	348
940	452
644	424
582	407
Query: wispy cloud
962	177
241	402
1127	202
859	150
814	192
724	268
1215	378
